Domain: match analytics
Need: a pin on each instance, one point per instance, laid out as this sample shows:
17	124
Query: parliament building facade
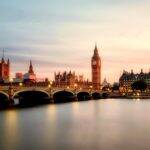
127	78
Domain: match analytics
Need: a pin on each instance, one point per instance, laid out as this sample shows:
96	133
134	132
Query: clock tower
96	69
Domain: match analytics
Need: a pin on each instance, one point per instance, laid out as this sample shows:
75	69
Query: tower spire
31	68
3	56
3	52
96	51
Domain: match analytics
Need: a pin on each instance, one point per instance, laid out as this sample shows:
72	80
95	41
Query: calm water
104	124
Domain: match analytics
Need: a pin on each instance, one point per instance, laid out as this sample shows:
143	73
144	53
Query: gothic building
96	69
4	70
68	79
127	78
30	77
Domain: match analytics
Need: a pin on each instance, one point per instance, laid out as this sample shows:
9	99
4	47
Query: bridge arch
16	93
83	95
31	97
4	100
4	94
96	95
105	95
62	96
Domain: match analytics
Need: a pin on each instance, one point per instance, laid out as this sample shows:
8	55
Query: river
110	124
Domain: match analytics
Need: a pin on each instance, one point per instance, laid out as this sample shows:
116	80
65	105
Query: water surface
111	124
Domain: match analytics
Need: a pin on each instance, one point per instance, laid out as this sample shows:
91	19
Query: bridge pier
10	94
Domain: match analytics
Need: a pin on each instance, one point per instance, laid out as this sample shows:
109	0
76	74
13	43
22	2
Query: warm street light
11	80
20	84
49	86
91	87
75	85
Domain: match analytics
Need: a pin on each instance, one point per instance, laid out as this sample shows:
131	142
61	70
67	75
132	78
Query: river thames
110	124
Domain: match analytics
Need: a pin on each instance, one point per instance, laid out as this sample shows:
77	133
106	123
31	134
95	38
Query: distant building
69	79
30	77
127	78
4	70
105	83
19	77
96	70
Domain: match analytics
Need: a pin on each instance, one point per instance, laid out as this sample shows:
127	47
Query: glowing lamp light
11	80
20	84
49	85
91	86
75	85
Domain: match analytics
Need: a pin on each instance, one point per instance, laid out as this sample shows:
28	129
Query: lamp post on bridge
10	92
75	90
20	84
90	89
50	89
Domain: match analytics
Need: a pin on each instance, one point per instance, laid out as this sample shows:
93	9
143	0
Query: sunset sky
60	35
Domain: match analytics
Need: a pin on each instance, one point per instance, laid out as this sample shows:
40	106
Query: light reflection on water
103	124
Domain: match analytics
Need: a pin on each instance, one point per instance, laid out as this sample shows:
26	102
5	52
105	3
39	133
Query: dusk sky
60	35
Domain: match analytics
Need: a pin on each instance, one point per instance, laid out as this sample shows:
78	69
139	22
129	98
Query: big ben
96	69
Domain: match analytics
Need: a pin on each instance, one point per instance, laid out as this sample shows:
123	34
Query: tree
115	87
139	85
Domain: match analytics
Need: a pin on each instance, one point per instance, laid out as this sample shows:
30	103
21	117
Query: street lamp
50	88
91	87
80	88
75	87
10	92
20	84
11	80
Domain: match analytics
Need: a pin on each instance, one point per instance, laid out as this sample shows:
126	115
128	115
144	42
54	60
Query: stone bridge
51	94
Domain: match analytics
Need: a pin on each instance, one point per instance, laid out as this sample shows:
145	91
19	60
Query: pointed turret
2	60
8	62
31	68
95	50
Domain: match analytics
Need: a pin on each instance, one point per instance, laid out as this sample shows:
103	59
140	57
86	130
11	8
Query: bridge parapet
49	90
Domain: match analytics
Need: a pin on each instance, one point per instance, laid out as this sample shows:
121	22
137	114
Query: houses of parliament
62	79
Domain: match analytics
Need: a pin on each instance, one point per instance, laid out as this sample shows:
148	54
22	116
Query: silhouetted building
4	70
30	77
96	69
127	78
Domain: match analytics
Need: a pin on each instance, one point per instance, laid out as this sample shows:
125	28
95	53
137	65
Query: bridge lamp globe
75	85
20	84
91	87
49	85
11	80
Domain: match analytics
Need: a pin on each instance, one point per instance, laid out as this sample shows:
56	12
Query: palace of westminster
70	79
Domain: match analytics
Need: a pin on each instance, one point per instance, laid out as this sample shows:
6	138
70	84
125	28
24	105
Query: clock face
94	62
